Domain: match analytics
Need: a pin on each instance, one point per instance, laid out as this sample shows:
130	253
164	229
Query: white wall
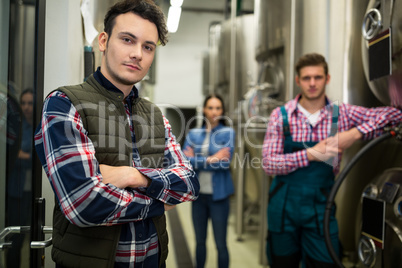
63	65
179	63
64	47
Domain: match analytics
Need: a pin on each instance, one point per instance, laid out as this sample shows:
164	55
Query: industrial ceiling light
176	3
174	15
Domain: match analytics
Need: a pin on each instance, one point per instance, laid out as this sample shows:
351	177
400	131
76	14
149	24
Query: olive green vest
104	117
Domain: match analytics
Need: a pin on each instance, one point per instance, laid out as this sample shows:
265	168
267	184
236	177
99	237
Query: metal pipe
226	9
346	55
213	50
292	44
265	183
232	83
232	104
240	192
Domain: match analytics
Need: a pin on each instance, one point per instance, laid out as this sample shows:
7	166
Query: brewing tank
215	71
290	28
381	209
244	61
382	50
272	26
274	48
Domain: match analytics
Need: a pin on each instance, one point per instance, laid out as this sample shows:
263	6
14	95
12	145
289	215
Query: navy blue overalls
296	209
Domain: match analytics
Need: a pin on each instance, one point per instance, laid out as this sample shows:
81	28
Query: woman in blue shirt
210	149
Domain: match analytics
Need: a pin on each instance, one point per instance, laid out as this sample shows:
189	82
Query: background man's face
312	81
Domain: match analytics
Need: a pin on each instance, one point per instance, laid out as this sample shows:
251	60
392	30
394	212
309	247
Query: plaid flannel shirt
73	171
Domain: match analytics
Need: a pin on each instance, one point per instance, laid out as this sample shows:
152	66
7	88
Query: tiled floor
242	254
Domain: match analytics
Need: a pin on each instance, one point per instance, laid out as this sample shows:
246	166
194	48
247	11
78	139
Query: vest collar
105	83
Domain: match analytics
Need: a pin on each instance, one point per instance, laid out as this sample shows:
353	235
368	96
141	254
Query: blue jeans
202	209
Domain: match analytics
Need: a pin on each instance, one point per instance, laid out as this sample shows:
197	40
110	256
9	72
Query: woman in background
210	149
19	177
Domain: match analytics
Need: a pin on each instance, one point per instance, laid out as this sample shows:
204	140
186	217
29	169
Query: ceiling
221	6
213	6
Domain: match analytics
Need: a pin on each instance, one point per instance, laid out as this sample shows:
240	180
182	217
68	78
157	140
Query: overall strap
285	124
334	124
288	143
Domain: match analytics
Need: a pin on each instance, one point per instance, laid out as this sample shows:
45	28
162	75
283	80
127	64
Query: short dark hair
207	98
146	9
312	59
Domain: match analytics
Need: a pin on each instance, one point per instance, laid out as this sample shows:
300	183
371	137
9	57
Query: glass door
21	92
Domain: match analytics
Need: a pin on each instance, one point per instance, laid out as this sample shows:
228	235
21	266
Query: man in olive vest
110	156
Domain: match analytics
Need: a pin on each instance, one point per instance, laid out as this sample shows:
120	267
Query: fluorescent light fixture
176	3
173	18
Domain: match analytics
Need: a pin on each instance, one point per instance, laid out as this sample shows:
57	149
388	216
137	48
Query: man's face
312	81
129	51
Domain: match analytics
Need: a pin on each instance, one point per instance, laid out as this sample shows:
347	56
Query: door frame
38	217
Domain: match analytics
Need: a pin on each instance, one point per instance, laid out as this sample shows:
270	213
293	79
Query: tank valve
398	207
395	131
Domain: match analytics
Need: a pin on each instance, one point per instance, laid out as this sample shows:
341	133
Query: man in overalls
302	147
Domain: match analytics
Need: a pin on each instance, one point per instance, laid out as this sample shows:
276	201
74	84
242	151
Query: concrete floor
242	254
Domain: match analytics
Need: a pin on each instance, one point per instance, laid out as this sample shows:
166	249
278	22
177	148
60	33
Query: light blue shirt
220	137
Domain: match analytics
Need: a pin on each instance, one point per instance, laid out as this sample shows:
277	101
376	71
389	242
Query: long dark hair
222	120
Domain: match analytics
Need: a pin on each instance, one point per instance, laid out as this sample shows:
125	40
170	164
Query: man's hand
322	151
332	146
123	176
189	151
345	139
169	207
221	155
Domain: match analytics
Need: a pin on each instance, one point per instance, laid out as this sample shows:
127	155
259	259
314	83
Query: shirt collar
220	125
109	86
293	104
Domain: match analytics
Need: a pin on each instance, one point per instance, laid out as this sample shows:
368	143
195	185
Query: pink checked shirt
369	121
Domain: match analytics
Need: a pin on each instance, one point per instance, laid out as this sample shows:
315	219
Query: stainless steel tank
380	242
274	47
205	74
218	81
273	26
286	30
245	64
382	50
214	80
290	28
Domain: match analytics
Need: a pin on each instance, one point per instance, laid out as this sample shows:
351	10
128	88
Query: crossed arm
69	162
221	155
125	176
332	146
